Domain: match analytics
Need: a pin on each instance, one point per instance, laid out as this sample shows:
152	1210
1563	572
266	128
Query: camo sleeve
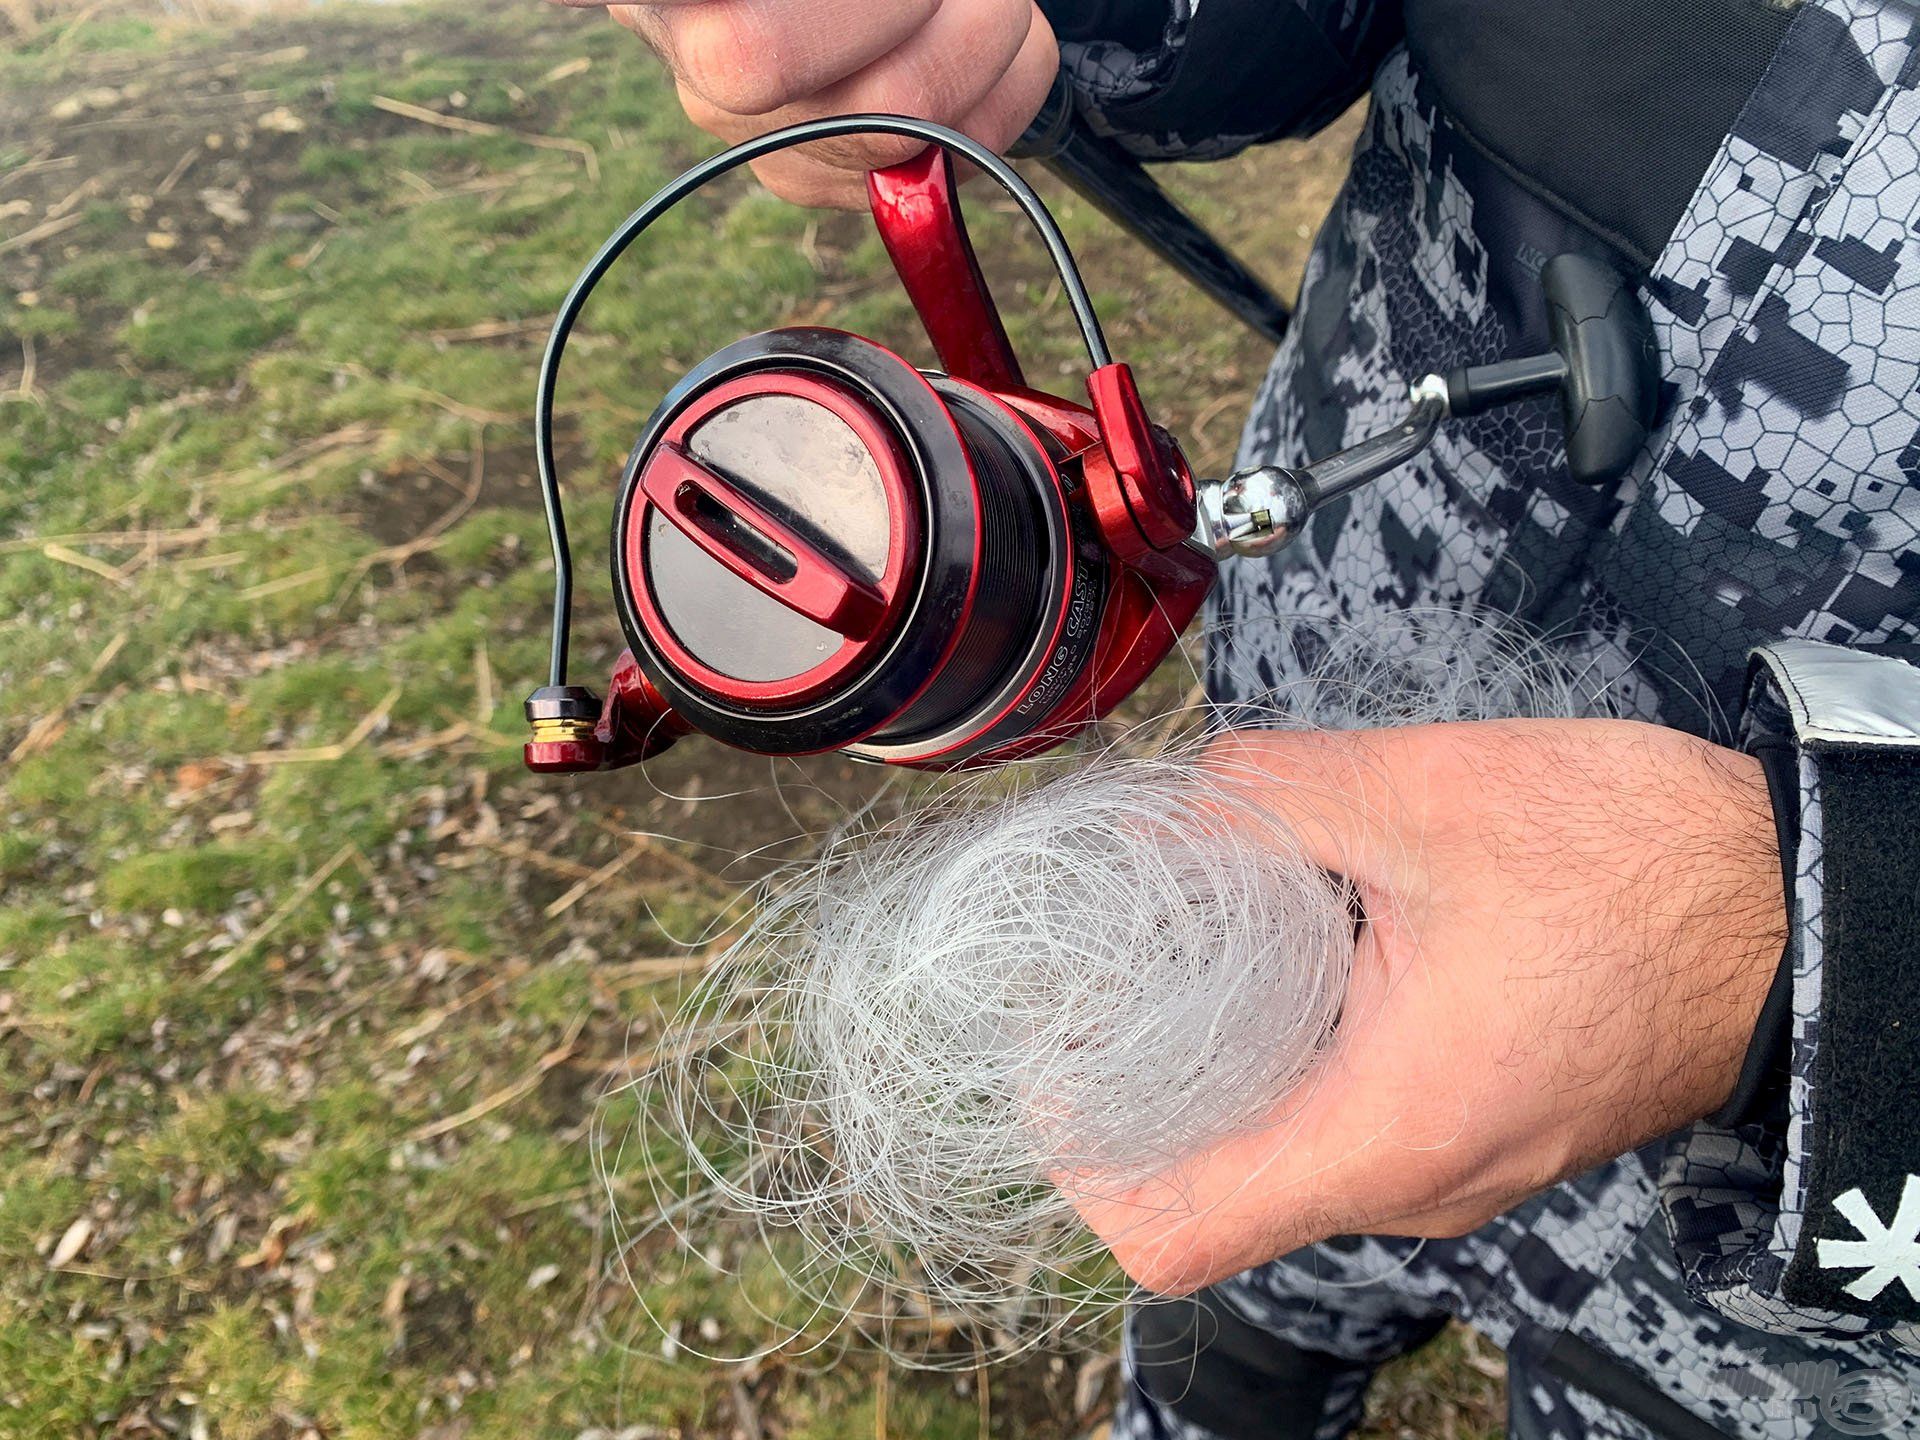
1201	79
1798	1208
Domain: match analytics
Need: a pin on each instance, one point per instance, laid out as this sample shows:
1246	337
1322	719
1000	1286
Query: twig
64	40
165	539
746	1412
485	695
212	562
29	368
539	859
567	69
673	860
45	231
486	735
554	1058
285	583
433	397
54	550
629	973
554	1197
463	126
43	731
73	197
425	1027
586	884
479	186
39	165
433	535
424	744
303	460
180	168
293	902
321	753
419	182
490	330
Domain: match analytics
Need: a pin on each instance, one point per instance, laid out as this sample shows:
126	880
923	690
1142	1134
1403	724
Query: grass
274	892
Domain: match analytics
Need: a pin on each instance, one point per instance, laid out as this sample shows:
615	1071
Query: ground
307	993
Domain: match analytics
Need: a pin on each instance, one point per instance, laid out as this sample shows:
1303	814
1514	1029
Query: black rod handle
1119	187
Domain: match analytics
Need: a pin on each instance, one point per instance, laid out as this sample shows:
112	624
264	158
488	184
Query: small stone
79	103
71	1244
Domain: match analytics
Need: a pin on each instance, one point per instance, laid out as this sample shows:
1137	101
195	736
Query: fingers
752	57
744	67
834	173
1371	1142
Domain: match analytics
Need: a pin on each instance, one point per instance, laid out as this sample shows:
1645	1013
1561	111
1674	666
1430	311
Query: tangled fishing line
1092	968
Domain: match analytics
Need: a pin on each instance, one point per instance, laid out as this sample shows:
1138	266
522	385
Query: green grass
267	918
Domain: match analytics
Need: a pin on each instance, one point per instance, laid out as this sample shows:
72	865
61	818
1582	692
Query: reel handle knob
1604	364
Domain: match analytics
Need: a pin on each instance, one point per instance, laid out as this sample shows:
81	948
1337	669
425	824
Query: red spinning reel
818	546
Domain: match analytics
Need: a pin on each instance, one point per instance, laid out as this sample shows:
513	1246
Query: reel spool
818	546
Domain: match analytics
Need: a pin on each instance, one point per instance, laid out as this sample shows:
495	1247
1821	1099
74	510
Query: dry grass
306	991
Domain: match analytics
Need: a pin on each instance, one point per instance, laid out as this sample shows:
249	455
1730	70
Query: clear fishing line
873	1112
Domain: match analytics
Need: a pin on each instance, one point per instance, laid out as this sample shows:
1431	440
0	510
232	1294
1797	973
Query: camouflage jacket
1765	550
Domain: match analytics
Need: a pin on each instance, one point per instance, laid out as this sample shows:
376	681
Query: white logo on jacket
1887	1251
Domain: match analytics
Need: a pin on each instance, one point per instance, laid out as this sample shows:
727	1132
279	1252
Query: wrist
1760	1086
1738	923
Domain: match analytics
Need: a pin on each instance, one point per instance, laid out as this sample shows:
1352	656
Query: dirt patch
188	160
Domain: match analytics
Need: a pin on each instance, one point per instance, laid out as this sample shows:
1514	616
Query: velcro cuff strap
1856	716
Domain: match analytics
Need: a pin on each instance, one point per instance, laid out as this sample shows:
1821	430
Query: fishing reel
818	546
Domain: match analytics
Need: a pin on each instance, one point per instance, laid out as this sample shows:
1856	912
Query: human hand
744	67
1571	926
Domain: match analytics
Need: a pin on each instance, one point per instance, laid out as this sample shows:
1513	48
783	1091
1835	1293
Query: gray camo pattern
1781	497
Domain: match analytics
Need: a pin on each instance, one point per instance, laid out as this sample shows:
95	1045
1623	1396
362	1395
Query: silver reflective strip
1846	697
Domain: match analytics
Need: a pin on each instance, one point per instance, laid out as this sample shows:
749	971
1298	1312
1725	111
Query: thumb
1338	796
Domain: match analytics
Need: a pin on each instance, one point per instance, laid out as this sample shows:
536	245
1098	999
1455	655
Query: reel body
818	546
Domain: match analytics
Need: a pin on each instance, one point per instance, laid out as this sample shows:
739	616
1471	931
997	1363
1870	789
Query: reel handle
1604	364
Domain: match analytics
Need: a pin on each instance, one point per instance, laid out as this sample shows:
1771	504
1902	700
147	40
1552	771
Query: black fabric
1255	70
1137	24
1581	1365
1759	1095
1200	1359
1864	1128
1609	111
